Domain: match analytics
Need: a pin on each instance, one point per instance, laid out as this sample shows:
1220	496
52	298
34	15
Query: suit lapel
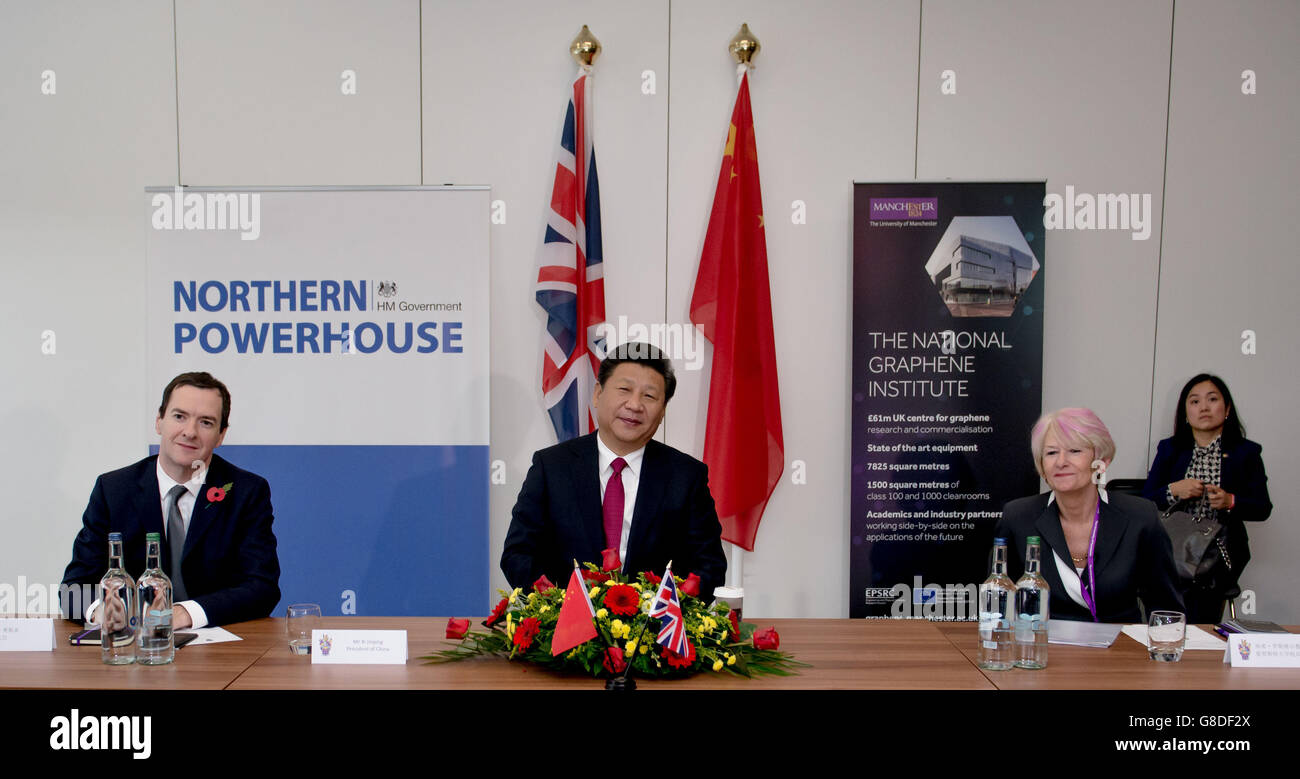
206	511
586	485
148	502
1110	532
648	497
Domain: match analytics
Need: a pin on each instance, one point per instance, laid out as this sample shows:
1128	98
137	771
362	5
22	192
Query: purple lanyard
1088	591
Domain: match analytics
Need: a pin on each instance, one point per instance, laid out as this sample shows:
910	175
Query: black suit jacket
1241	472
1133	558
557	517
229	564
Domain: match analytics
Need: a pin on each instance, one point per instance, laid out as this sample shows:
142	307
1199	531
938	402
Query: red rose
622	600
543	585
680	661
767	638
457	628
735	625
691	586
609	560
595	576
613	660
653	578
498	613
216	494
528	629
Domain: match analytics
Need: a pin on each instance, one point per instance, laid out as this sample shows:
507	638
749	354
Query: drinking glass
1166	632
303	619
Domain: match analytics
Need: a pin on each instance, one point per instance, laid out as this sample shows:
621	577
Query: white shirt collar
607	457
165	482
1104	497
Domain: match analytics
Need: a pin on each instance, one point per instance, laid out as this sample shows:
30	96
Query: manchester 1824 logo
387	289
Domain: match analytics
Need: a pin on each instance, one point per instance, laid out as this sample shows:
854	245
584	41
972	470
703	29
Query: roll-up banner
351	326
947	382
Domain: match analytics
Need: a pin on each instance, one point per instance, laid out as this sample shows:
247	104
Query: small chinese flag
576	625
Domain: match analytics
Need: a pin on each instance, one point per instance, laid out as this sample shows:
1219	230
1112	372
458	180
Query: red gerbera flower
680	661
622	600
528	629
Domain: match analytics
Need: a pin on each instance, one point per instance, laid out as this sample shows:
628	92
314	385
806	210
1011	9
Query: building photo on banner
899	279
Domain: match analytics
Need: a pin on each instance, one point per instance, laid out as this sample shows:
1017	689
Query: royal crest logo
1243	649
325	643
387	289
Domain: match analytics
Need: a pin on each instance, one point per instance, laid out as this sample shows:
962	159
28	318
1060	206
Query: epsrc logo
879	594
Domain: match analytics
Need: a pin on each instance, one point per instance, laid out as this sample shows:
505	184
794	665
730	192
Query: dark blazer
557	517
1133	558
1241	472
230	564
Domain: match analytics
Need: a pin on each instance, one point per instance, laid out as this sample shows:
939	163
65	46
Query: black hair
1233	430
640	353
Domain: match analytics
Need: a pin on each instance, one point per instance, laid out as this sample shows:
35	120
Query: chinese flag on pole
576	625
732	305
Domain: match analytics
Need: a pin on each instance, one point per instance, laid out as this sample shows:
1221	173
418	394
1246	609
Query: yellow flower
514	596
631	647
601	613
636	586
644	649
532	598
731	659
616	628
717	665
543	609
594	591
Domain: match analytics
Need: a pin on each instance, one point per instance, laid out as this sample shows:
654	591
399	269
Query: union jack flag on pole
570	275
667	607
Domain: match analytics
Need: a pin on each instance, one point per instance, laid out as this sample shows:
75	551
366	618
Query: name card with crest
1263	650
358	647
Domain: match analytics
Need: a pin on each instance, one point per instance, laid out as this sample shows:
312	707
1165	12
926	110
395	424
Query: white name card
26	634
1263	650
358	647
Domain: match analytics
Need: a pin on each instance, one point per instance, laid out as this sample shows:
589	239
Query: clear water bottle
119	615
156	644
997	645
1032	595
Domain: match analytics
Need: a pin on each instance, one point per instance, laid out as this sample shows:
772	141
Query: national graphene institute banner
947	382
351	326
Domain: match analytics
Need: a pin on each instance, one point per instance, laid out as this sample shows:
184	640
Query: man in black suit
618	487
215	519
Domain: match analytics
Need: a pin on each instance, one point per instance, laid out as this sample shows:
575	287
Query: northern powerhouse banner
351	326
947	381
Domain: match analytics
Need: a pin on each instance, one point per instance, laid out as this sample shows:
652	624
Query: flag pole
624	681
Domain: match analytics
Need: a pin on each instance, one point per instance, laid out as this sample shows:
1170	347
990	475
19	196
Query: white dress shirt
631	480
186	505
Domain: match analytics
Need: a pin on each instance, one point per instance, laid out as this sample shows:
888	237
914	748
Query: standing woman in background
1209	463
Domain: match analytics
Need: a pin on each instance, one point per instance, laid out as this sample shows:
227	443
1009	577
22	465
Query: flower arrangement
522	625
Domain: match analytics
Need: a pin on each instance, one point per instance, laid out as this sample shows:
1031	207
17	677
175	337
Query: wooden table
1125	665
844	654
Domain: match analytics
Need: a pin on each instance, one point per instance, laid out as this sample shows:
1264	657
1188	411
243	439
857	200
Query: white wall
1106	96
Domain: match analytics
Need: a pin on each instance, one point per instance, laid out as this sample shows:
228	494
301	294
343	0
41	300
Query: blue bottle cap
114	536
998	541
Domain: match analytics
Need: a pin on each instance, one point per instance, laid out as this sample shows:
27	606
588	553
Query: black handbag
1195	541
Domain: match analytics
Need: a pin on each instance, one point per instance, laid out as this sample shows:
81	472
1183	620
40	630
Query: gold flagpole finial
744	46
585	48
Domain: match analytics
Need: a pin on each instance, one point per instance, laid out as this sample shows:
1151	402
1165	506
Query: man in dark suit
618	488
215	518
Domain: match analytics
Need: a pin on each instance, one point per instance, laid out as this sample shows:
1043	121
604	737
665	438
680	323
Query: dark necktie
613	508
176	541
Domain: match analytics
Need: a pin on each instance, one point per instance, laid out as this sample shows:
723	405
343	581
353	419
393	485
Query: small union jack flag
668	609
570	275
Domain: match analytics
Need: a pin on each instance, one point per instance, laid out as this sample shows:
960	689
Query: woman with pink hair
1105	557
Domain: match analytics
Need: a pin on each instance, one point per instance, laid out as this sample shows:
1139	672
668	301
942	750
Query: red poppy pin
218	494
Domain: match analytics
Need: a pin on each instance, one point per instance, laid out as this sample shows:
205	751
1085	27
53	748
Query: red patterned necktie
613	508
